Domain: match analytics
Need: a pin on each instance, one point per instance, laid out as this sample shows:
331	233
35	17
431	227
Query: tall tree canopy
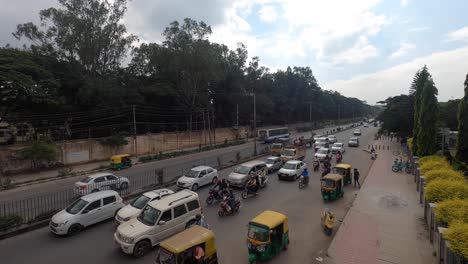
428	120
395	115
462	141
417	86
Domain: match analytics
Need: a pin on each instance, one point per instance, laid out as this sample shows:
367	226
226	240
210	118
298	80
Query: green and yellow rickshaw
268	235
193	245
344	170
332	186
121	161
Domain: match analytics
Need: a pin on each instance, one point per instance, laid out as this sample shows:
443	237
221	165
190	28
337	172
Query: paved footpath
385	224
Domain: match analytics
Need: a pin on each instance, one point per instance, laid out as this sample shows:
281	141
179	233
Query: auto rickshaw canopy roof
271	219
333	177
343	165
119	157
188	238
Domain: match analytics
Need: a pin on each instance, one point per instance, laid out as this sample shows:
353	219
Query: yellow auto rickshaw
121	161
193	245
268	234
345	170
332	186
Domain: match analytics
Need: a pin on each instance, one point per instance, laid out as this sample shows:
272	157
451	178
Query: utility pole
204	126
134	131
310	115
213	125
255	125
237	116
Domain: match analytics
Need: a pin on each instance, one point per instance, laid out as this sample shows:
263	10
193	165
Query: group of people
224	190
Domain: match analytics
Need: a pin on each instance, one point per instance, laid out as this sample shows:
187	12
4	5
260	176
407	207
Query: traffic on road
258	207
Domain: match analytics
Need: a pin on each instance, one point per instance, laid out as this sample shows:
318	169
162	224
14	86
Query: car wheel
194	187
295	177
141	248
215	179
74	229
124	186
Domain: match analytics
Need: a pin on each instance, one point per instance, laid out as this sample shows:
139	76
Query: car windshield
328	183
353	141
270	161
276	145
258	233
140	202
86	180
337	145
289	166
322	151
149	216
288	152
166	257
76	206
192	173
337	170
242	169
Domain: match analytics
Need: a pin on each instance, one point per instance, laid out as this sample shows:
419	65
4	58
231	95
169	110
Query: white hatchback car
291	170
197	177
323	153
87	210
134	208
338	146
332	138
99	182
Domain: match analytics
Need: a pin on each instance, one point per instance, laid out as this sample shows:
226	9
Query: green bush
145	158
39	152
450	211
446	174
10	221
441	190
457	235
425	159
410	143
433	165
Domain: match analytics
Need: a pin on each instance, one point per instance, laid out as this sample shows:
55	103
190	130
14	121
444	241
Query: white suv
87	210
134	208
197	177
100	181
159	220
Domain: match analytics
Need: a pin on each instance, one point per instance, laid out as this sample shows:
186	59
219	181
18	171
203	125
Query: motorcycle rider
252	184
339	157
316	164
231	199
221	186
305	174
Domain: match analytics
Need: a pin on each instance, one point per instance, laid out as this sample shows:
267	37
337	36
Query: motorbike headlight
261	248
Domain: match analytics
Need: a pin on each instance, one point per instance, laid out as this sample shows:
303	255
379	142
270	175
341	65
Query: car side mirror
162	222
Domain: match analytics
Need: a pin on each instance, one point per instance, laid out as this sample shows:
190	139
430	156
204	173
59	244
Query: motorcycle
225	209
327	220
214	195
248	191
339	158
398	166
303	182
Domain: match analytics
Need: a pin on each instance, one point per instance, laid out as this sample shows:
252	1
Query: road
303	207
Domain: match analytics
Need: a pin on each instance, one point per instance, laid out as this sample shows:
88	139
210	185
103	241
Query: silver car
273	163
243	172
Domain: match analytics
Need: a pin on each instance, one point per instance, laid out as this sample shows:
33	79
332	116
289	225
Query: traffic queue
175	221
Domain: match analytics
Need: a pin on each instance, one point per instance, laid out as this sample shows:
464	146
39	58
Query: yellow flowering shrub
446	174
457	235
441	190
433	165
450	211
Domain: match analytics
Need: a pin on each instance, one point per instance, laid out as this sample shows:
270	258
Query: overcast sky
369	49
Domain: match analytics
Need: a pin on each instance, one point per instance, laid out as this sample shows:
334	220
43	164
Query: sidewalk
385	224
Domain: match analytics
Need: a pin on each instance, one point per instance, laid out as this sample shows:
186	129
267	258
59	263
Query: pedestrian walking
356	178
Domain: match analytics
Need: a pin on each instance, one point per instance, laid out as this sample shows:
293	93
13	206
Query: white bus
268	135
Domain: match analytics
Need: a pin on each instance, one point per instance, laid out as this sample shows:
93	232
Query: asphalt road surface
303	207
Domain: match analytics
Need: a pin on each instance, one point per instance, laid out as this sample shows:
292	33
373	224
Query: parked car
353	142
159	220
136	206
338	147
99	182
273	163
243	172
291	170
87	210
357	132
323	153
197	177
332	139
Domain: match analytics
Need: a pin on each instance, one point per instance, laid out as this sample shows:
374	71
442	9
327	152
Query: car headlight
128	240
261	248
62	224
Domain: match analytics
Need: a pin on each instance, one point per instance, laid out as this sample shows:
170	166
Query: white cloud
458	35
360	52
403	50
448	69
268	14
404	3
417	29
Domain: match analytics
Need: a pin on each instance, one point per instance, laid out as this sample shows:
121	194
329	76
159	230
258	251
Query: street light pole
255	125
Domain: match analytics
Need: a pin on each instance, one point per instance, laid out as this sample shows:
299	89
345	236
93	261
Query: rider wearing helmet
305	174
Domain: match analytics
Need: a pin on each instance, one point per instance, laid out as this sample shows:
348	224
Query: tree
416	88
115	141
38	152
462	141
428	122
449	113
394	117
88	31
